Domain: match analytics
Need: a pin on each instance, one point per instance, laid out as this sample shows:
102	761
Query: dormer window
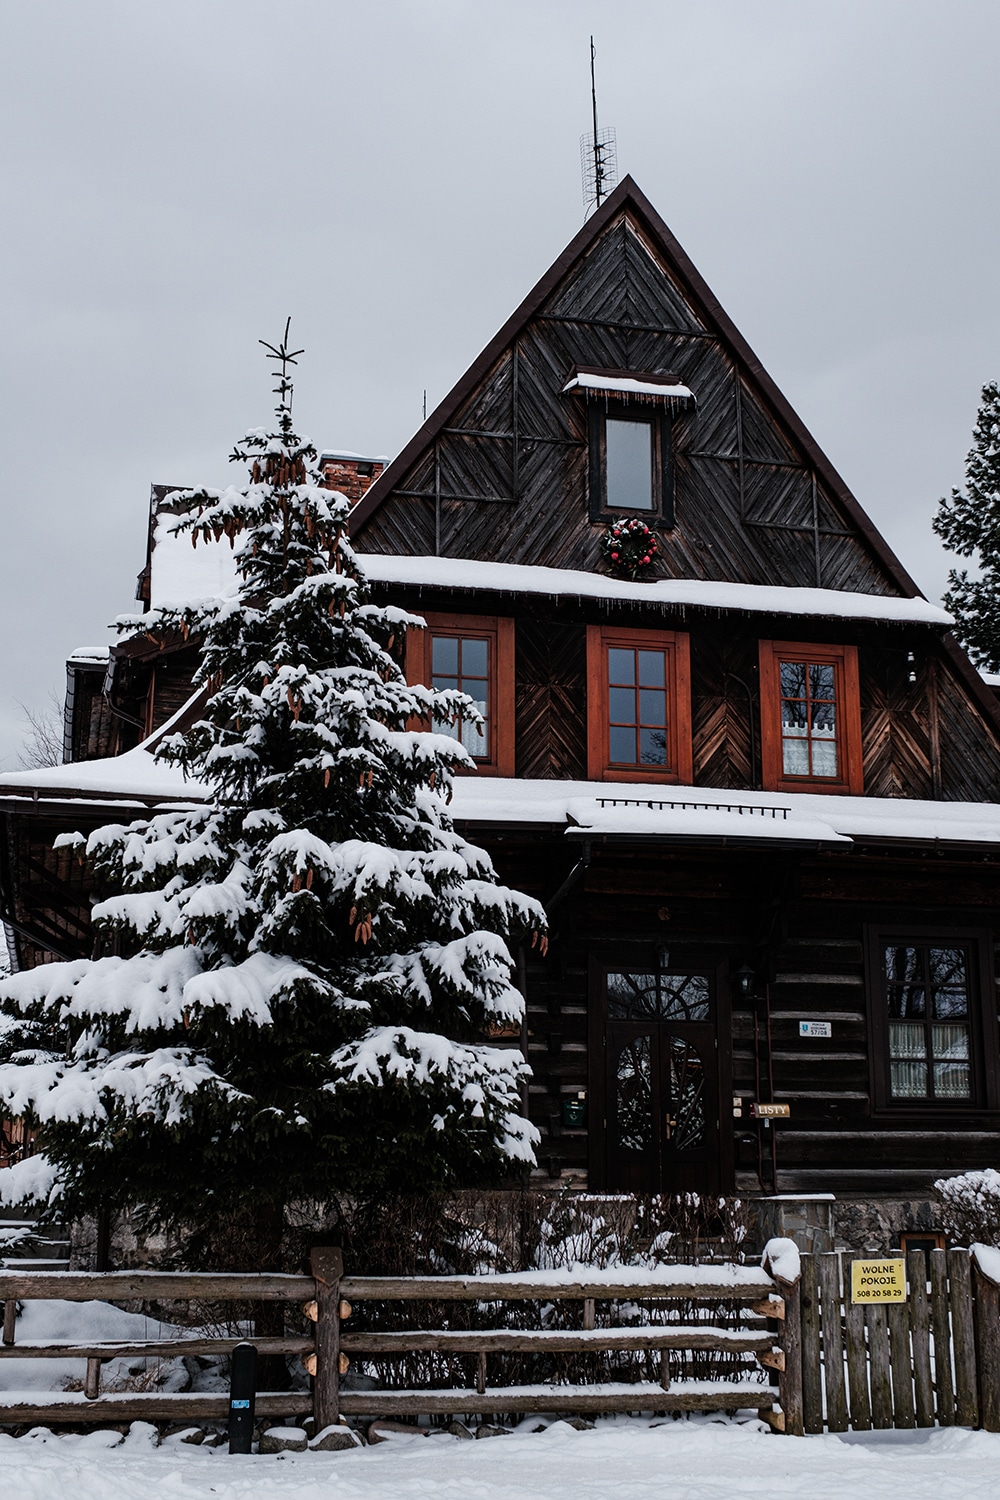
630	419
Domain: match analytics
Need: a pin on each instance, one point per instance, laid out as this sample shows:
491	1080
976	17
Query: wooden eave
627	197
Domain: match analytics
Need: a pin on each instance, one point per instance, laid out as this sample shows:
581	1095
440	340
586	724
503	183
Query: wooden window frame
498	631
661	512
984	1057
679	770
844	660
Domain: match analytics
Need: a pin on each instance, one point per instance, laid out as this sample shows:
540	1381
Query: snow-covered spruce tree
969	523
298	976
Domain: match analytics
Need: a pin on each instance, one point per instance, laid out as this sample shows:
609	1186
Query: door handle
670	1125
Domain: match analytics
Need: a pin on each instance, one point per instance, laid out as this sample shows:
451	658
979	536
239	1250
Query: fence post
327	1266
987	1314
790	1341
960	1298
812	1377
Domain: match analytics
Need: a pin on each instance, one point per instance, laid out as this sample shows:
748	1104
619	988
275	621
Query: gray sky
178	177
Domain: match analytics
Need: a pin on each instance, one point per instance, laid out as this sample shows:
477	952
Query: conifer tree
297	976
969	524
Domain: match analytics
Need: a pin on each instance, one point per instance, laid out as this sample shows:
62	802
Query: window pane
622	746
621	666
824	758
687	1096
475	655
907	1039
950	1043
909	1080
821	680
949	987
652	668
652	706
632	996
904	969
653	747
951	1081
621	703
795	757
444	654
684	997
793	679
441	683
634	1101
793	716
629	447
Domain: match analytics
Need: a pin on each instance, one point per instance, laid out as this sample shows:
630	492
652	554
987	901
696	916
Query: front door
662	1100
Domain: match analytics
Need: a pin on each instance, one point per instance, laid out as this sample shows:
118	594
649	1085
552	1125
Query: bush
970	1207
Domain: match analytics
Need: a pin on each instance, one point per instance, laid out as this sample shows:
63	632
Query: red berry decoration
629	546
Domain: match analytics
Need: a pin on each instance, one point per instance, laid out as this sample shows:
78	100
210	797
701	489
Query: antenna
598	153
425	406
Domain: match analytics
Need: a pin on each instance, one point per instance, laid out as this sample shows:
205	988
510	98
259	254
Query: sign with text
878	1280
770	1111
815	1028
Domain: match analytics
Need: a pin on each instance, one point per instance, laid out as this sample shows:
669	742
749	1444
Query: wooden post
481	1373
833	1344
812	1379
987	1312
790	1340
878	1354
327	1266
944	1385
960	1298
857	1356
920	1330
589	1314
9	1320
92	1384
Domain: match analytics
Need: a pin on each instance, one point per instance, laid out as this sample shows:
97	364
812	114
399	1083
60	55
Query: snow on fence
933	1359
327	1298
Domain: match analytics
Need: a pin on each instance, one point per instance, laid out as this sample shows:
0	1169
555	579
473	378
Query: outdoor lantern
746	982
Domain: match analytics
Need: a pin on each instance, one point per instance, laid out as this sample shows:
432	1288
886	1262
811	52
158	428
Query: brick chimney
350	473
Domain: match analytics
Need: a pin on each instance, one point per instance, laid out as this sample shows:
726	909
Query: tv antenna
598	154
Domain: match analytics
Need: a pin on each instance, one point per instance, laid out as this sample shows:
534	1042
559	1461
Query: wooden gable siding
924	739
506	477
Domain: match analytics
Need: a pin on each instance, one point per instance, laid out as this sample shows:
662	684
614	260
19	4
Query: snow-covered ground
700	1459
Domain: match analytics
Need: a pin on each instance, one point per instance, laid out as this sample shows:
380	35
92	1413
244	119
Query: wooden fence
933	1359
327	1297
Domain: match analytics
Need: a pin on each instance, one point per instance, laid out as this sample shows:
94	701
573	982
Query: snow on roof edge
525	578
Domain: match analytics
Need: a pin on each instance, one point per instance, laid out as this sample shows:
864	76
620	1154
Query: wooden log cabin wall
775	916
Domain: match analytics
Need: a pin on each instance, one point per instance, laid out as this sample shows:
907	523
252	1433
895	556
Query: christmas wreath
629	547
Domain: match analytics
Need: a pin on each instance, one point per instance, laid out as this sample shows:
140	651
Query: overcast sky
396	174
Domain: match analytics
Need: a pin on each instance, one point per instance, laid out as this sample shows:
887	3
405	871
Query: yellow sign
878	1280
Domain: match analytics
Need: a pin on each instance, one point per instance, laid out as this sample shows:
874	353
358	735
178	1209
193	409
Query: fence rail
326	1297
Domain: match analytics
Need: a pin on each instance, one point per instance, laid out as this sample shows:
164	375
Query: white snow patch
781	1258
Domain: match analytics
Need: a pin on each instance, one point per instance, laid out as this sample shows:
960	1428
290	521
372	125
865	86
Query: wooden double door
662	1084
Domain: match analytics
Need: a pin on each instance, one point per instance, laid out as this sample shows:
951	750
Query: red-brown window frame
498	631
844	660
676	646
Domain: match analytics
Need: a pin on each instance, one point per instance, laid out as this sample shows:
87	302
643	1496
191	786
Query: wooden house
756	787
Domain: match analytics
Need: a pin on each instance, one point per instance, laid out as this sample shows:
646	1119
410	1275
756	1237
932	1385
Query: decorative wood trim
844	660
499	631
983	1043
680	760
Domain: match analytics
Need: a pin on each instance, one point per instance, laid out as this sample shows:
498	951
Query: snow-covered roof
182	574
90	655
577	808
460	573
628	385
669	812
991	679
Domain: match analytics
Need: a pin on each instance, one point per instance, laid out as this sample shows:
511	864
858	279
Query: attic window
630	418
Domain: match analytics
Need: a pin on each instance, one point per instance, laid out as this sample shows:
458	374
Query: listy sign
770	1111
878	1280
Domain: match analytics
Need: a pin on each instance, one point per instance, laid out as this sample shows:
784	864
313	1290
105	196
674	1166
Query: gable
500	470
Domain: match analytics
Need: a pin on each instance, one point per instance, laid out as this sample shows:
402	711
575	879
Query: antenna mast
598	153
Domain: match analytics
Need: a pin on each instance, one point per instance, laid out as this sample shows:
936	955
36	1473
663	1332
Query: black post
242	1390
